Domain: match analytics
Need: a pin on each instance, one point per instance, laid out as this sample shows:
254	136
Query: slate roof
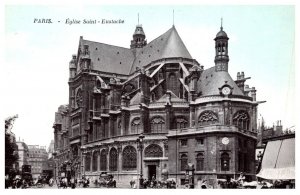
210	81
174	98
109	58
167	45
120	60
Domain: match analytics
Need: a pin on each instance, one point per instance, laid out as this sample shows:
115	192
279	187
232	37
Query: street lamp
140	148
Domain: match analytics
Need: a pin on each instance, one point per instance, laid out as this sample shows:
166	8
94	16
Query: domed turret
221	45
138	38
72	66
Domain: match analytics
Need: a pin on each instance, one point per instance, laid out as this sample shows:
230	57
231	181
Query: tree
11	154
11	148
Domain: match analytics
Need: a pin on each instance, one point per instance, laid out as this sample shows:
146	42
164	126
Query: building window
200	162
172	83
183	142
241	120
157	124
181	123
153	150
95	161
135	125
183	162
79	97
225	162
103	160
207	118
129	158
200	141
88	162
113	159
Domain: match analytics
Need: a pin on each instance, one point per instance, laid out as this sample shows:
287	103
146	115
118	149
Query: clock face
225	140
226	90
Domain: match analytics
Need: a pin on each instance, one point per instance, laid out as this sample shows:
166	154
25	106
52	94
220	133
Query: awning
279	160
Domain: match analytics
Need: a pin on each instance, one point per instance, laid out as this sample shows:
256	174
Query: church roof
109	58
167	45
120	60
136	99
210	81
174	98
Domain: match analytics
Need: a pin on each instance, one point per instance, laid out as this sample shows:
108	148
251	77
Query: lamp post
140	148
55	166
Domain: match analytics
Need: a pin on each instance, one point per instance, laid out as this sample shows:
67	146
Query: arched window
157	124
153	150
225	162
79	97
129	158
207	118
200	162
135	125
241	119
95	161
113	159
180	123
103	160
183	162
172	83
88	162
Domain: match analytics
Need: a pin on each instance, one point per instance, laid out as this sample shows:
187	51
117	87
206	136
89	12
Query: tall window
225	161
207	117
157	124
113	160
241	119
183	162
181	123
129	158
103	160
88	162
153	150
200	162
135	125
95	161
172	83
98	129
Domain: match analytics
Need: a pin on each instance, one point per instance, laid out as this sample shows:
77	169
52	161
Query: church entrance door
151	171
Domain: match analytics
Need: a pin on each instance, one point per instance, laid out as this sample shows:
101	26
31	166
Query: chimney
253	94
242	75
238	76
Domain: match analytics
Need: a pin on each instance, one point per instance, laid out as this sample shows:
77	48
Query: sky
36	56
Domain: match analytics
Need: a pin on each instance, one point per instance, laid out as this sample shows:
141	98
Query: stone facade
159	91
38	157
23	153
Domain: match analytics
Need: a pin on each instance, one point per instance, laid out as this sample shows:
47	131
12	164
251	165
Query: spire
173	17
221	24
138	18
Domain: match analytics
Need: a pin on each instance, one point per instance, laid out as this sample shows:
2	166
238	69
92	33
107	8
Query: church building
152	109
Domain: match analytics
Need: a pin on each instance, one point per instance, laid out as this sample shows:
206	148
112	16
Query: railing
211	128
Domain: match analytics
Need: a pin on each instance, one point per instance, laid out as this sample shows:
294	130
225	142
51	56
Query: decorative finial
221	23
173	17
138	18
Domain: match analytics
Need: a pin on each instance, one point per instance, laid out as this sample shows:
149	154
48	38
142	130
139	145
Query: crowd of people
153	183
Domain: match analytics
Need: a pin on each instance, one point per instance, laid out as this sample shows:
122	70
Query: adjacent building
151	109
23	153
37	159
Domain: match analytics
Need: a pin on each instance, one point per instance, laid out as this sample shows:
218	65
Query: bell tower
139	38
221	46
